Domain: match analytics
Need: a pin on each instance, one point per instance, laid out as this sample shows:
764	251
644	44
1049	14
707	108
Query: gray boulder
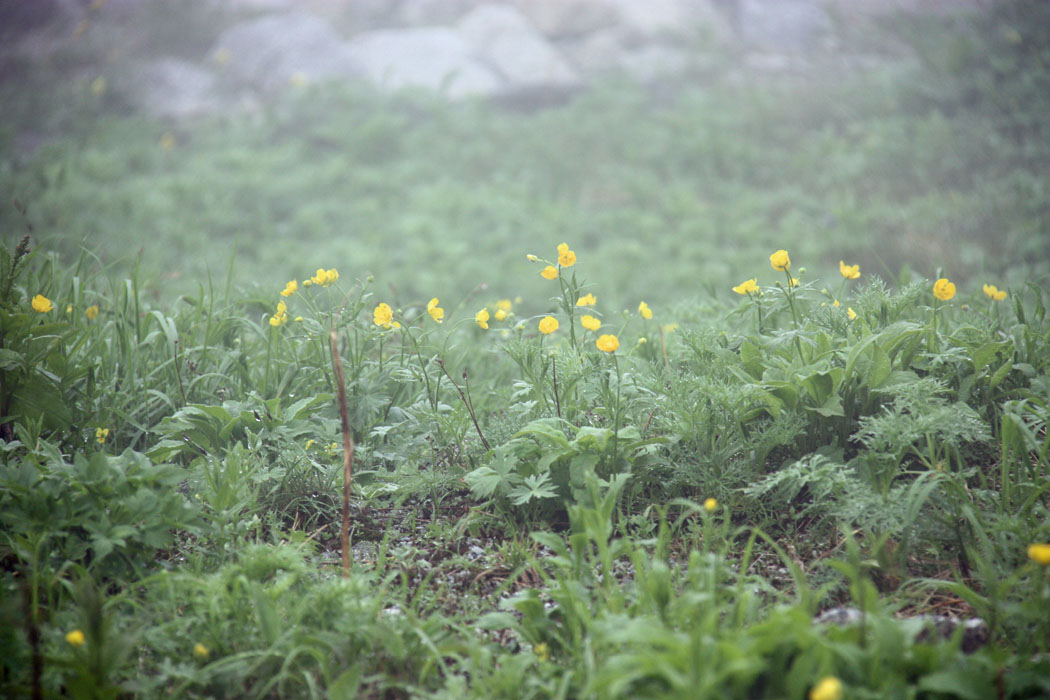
436	58
502	36
795	26
273	51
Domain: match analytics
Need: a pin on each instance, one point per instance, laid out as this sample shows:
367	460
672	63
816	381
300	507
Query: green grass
532	516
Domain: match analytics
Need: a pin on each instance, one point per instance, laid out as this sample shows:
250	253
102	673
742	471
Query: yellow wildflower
101	434
851	313
645	311
69	308
1039	553
587	300
504	305
711	505
549	273
482	318
566	257
76	638
590	323
309	443
325	277
607	343
747	287
850	272
548	324
836	304
435	311
500	314
42	304
795	282
993	293
167	141
829	688
289	289
542	651
943	289
780	260
200	651
383	316
91	312
281	317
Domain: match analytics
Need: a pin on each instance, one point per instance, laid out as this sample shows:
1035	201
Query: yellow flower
747	287
607	343
281	317
943	289
711	505
325	277
101	434
504	305
383	316
1039	553
542	651
587	300
289	289
548	324
590	323
200	651
69	308
851	313
645	311
91	312
794	282
829	688
167	141
549	273
566	258
850	272
482	318
992	293
500	314
435	311
309	443
42	304
76	638
780	260
298	319
836	304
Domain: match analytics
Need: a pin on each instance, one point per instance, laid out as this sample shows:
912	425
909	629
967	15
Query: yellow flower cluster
566	257
482	318
91	312
289	289
587	300
101	434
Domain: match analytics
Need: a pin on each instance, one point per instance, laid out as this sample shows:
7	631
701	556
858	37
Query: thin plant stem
554	369
348	450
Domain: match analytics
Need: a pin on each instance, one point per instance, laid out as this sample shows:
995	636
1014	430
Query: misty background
674	144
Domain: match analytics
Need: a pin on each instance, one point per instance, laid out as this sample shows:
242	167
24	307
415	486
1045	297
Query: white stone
274	51
566	18
502	36
171	87
436	58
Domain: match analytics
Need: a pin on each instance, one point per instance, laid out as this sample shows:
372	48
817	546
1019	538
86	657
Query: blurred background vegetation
936	164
